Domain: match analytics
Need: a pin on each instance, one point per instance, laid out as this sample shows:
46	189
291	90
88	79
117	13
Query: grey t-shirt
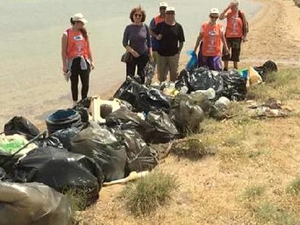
137	37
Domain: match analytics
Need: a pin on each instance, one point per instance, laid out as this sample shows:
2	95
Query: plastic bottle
209	93
222	102
184	90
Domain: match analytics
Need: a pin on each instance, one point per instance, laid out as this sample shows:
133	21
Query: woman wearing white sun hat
77	56
211	37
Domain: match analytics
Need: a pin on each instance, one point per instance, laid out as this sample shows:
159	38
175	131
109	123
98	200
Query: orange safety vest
234	28
211	39
158	20
77	44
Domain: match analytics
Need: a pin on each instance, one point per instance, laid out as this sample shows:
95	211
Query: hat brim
82	20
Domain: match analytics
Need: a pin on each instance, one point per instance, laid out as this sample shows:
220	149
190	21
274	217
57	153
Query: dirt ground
274	34
250	153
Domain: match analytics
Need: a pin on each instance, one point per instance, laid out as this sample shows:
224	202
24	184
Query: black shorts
234	45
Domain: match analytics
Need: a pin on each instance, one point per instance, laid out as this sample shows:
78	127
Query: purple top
137	37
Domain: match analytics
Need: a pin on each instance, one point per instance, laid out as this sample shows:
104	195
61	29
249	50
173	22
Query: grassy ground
252	178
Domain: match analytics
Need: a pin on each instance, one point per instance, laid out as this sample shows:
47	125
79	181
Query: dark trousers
140	63
84	75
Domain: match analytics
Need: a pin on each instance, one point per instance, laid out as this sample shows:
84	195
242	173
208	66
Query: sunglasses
162	8
214	17
138	15
170	13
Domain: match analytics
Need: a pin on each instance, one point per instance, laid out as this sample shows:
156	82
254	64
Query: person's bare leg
225	65
235	65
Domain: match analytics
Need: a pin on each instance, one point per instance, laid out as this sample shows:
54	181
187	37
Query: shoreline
270	38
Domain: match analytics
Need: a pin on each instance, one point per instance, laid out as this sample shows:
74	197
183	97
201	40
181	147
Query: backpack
245	23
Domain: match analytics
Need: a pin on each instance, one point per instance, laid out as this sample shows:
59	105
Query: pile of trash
99	142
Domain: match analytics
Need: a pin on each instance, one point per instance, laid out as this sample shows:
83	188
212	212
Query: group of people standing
159	44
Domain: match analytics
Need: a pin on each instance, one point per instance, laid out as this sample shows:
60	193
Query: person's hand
151	59
92	65
135	54
226	50
65	69
244	39
159	37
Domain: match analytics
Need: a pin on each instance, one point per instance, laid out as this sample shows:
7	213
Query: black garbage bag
182	80
129	91
65	136
84	103
140	156
267	68
142	98
125	104
234	85
62	119
2	174
157	128
82	107
125	119
200	79
152	100
195	98
187	117
49	141
20	125
102	145
32	204
61	170
160	128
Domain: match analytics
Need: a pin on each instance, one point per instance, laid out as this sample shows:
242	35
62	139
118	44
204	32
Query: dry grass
191	148
251	179
147	194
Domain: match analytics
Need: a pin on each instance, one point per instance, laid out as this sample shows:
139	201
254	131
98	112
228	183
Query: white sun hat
214	11
170	9
78	17
163	4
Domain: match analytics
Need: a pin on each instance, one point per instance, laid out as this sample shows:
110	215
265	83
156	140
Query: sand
274	35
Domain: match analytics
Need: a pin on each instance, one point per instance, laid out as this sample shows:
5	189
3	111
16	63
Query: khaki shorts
165	64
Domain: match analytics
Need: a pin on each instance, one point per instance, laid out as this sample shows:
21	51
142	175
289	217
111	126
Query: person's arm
149	44
223	14
181	39
245	24
199	38
90	55
64	46
180	47
224	42
151	28
126	43
157	31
